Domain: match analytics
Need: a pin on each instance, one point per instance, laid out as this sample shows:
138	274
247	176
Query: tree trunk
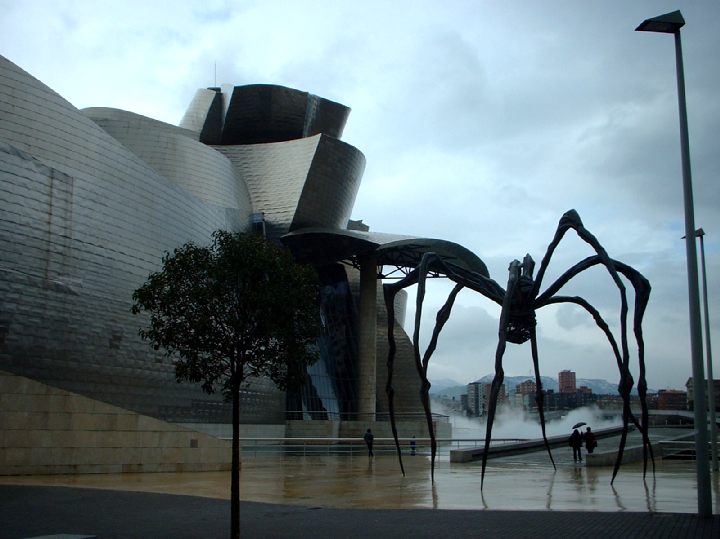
235	472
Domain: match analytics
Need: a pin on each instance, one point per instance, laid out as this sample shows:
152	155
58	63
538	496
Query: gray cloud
482	122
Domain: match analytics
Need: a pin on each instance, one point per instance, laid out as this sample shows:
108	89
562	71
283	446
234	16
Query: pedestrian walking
590	441
369	438
575	441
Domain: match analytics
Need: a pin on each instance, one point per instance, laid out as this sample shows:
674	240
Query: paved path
335	497
35	511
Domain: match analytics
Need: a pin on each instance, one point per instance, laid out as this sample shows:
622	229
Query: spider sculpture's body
518	302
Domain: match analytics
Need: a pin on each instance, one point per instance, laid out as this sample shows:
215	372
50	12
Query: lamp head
670	23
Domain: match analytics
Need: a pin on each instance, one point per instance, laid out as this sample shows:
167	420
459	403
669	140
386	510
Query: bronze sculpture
518	302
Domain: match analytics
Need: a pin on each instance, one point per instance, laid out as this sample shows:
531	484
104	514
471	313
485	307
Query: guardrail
354	446
377	416
467	454
683	448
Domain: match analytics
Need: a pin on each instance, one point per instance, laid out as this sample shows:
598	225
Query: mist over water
515	423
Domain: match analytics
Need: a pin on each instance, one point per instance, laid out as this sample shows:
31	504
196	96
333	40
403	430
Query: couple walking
576	442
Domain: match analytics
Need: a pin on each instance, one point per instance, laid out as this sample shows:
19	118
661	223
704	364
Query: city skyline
442	384
481	125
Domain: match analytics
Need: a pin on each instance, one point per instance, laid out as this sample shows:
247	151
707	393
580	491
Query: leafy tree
237	309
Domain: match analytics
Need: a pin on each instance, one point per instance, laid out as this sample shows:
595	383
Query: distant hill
448	391
598	386
447	388
450	388
444	383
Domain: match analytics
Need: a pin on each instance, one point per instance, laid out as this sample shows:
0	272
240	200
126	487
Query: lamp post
700	233
670	23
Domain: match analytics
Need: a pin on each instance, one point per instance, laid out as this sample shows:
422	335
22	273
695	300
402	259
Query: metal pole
701	437
700	233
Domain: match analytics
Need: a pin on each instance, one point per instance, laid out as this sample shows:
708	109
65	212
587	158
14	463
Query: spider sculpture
517	325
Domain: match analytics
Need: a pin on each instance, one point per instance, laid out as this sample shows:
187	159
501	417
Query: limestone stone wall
312	429
224	430
406	429
45	430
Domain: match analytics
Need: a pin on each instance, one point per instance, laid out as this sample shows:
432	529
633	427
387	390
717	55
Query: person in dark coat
590	442
575	442
369	442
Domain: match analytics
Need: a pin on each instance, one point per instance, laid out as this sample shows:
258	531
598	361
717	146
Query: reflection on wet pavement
525	482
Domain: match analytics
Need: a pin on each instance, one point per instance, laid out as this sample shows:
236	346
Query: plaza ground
356	496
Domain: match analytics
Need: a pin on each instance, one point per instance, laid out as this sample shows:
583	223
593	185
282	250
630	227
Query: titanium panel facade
90	201
83	223
175	155
260	113
205	115
306	182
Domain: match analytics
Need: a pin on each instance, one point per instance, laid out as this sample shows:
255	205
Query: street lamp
670	23
700	233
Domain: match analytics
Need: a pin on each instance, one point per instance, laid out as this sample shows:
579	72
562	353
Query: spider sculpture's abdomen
520	327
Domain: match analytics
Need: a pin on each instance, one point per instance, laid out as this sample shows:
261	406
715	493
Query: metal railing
354	446
362	417
680	449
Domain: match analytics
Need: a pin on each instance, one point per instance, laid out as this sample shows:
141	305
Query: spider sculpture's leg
539	397
642	297
422	365
642	394
624	387
389	293
425	383
442	317
642	290
419	276
600	322
499	352
571	220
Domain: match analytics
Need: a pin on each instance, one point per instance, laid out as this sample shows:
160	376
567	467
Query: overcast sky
482	123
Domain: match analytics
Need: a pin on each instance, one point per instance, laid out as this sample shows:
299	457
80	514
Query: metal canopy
395	255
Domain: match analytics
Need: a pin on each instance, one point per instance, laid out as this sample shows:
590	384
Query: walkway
34	511
331	496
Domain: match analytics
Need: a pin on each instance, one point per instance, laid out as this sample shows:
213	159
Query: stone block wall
312	429
46	430
406	429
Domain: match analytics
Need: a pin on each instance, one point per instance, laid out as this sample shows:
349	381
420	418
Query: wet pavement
359	482
38	511
301	496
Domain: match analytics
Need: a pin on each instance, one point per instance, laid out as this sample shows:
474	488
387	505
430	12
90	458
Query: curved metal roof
324	246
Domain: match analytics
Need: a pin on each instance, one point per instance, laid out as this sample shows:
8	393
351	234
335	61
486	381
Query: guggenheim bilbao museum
91	199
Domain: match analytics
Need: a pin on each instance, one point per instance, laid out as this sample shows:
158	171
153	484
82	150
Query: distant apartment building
672	399
691	393
528	387
566	381
567	400
464	401
502	396
473	399
478	397
525	395
615	402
